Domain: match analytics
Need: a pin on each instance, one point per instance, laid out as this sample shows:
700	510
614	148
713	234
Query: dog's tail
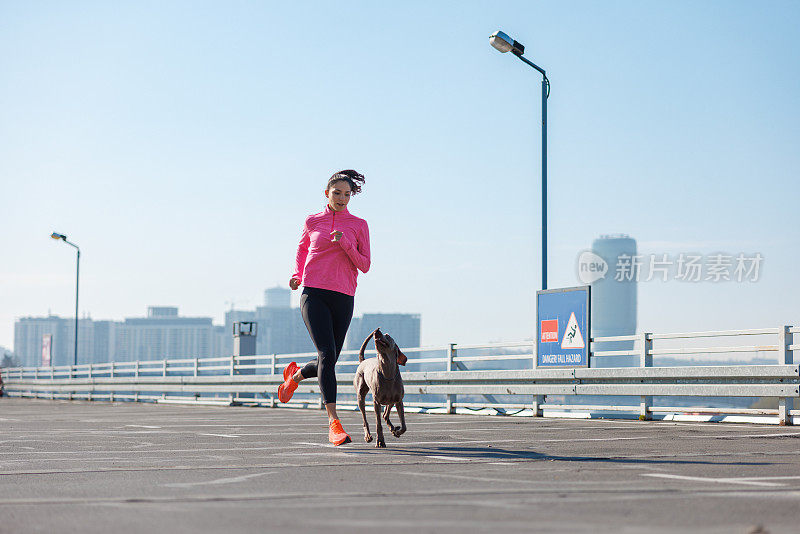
364	345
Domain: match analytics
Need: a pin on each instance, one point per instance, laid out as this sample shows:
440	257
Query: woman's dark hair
351	177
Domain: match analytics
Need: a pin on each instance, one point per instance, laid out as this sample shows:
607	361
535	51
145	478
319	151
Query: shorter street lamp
504	43
55	235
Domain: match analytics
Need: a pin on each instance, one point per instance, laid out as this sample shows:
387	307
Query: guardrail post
113	373
785	356
645	360
71	376
196	366
232	395
452	351
35	377
136	375
274	370
538	400
164	368
89	373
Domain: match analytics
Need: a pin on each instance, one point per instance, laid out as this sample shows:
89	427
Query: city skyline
165	334
181	147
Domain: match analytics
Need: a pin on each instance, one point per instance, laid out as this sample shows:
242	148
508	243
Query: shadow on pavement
493	453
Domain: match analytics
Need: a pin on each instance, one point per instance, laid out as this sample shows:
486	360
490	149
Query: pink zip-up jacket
327	264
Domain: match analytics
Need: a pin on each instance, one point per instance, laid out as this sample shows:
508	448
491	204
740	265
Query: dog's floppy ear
401	358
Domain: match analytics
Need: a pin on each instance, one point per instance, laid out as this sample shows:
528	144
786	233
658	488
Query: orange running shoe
336	434
290	370
286	390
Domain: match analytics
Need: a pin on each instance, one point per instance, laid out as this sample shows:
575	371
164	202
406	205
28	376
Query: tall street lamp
54	235
504	43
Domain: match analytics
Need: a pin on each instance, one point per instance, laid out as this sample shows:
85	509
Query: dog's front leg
402	415
386	412
381	443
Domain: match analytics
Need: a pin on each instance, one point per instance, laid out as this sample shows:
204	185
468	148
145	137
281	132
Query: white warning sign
572	335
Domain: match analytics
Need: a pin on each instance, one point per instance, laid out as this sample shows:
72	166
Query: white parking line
162	451
231	480
744	481
416	432
780	435
793	477
308	443
218	435
466	477
462	442
594	439
409	444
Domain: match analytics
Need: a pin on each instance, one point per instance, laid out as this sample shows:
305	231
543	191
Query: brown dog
381	375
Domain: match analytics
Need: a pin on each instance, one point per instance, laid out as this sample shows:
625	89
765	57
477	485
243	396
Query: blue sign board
562	327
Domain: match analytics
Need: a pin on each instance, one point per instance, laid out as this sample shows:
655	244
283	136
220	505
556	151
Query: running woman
333	247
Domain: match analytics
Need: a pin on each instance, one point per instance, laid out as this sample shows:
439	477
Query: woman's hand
294	283
336	235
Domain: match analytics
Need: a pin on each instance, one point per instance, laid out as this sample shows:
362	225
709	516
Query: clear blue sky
181	144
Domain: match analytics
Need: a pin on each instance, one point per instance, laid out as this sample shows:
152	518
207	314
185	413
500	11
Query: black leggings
327	316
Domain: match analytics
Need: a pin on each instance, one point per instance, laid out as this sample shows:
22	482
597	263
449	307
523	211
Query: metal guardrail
255	378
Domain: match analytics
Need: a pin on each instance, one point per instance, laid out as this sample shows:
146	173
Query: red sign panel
549	331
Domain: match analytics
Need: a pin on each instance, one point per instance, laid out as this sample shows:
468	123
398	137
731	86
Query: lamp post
504	43
54	235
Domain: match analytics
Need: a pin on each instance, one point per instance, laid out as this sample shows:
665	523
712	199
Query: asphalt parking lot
125	467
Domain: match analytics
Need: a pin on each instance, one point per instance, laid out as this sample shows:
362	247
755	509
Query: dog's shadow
457	453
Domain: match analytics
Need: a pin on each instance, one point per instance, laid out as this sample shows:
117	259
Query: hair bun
353	178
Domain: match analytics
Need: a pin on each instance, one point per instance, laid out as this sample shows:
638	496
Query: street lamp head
504	43
58	236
